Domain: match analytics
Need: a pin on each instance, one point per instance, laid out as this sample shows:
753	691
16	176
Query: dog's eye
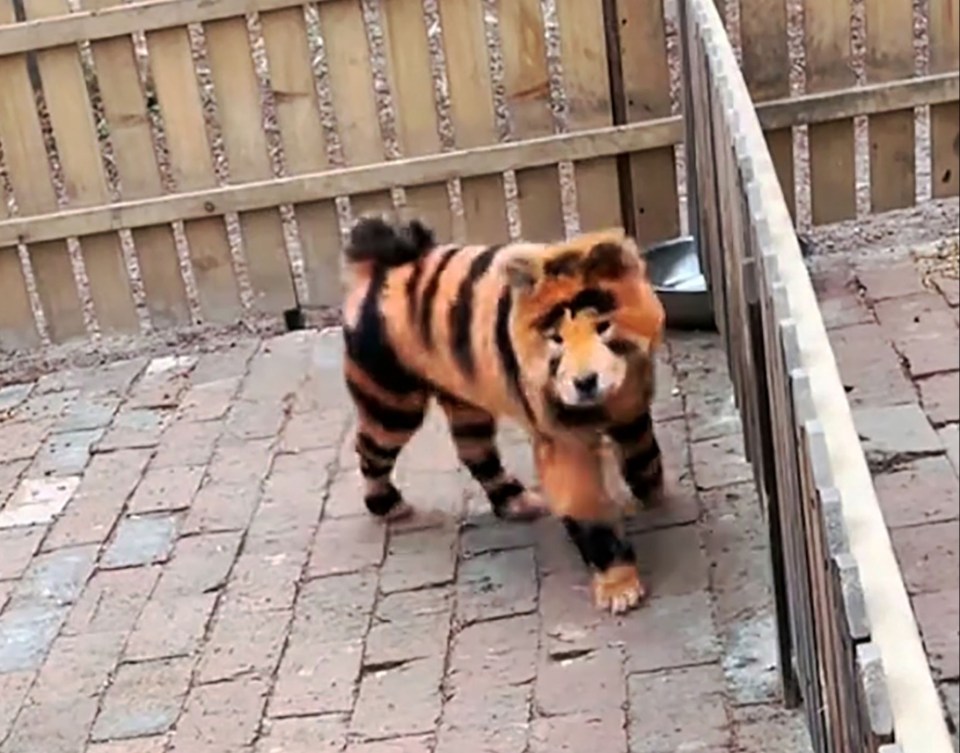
555	337
602	327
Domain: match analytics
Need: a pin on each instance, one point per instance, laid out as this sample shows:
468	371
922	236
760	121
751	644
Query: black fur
461	312
598	544
382	503
429	295
603	301
502	493
388	244
391	419
508	357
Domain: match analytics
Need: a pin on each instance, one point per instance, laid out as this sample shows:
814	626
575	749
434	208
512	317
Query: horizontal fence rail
849	646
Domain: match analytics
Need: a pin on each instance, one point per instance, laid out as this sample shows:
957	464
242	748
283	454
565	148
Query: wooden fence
171	162
849	647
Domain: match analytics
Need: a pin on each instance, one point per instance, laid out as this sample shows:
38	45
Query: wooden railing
849	645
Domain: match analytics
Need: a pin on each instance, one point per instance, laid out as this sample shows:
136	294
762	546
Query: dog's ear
612	258
523	273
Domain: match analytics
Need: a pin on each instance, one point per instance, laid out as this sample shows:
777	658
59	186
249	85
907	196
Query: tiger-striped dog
559	337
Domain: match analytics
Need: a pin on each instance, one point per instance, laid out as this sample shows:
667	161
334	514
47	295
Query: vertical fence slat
304	147
766	69
17	327
71	116
646	80
351	88
832	177
27	164
241	118
471	110
893	179
587	84
408	56
191	161
125	110
527	88
945	118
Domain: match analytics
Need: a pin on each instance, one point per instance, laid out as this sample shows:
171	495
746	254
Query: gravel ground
928	221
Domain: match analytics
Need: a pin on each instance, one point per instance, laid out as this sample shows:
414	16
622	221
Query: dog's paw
618	589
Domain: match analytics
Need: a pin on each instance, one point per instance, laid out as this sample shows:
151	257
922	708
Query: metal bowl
674	269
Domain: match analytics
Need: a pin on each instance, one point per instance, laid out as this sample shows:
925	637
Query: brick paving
186	566
895	334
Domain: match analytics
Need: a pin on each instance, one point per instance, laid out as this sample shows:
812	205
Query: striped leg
641	462
572	479
385	424
474	434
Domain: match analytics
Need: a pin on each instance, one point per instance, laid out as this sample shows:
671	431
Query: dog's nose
586	384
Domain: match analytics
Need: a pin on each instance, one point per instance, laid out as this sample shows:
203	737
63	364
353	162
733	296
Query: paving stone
199	565
254	419
869	367
89	411
209	401
137	745
720	462
13	691
134	428
316	678
58	727
674	631
405	631
44	407
311	430
497	584
346	545
222	506
419	559
940	395
67	453
187	444
335	609
77	666
27	634
11	395
303	735
221	718
265	581
680	709
55	578
950	439
492	736
924	491
141	541
604	731
166	489
758	725
10	474
487	533
891	435
598	677
18	546
889	279
403	700
415	744
98	501
921	328
244	463
951	694
671	561
37	501
928	556
112	601
282	525
489	655
244	643
230	362
938	615
144	699
185	618
21	441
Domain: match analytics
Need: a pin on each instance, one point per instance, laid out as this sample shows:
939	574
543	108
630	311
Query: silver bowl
674	269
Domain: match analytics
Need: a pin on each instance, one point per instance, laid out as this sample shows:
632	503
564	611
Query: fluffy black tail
388	244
